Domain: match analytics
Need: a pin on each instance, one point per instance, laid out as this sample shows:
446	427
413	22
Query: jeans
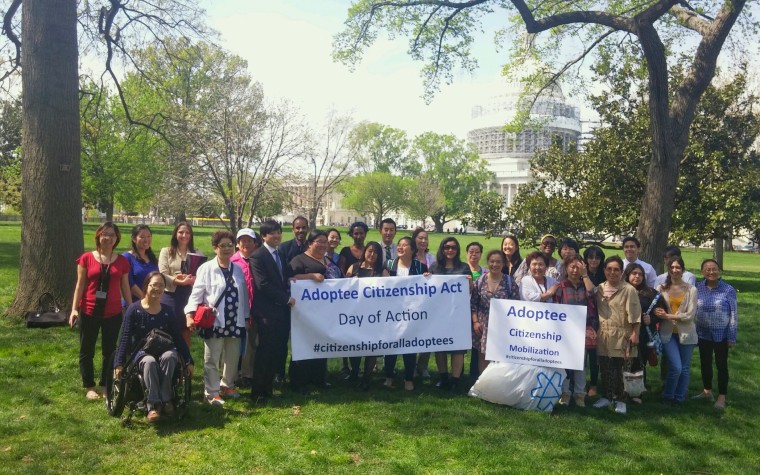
679	364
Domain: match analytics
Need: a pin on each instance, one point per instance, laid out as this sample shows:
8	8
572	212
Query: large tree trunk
51	198
658	202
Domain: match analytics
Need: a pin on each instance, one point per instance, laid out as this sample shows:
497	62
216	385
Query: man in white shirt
631	247
388	233
671	252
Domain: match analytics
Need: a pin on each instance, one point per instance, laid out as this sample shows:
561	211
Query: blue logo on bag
548	390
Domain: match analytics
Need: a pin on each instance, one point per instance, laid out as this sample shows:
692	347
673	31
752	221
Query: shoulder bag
48	314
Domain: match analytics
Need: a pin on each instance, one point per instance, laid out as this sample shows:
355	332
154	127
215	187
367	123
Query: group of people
630	311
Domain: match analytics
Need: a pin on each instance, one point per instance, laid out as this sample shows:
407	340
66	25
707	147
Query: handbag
205	316
633	383
48	313
157	342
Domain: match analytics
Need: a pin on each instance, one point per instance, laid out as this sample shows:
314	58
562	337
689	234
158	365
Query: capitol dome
508	153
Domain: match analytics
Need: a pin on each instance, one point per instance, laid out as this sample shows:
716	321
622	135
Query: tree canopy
441	33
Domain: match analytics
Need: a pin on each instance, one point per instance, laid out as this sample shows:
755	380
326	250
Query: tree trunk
51	201
718	251
657	205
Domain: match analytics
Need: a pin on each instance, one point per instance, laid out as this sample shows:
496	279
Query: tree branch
609	20
690	19
8	31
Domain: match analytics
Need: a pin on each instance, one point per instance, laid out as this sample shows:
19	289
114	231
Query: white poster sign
536	333
380	316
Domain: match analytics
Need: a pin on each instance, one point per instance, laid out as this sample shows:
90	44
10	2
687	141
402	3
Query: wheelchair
128	390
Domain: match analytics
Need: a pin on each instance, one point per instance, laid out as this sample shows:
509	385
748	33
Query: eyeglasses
450	248
226	245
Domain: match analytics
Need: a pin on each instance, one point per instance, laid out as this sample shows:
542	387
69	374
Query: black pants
89	327
273	335
611	369
410	362
706	350
282	352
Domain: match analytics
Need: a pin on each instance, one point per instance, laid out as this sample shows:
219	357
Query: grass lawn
46	426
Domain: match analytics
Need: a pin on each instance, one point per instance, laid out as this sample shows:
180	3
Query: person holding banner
404	265
312	265
371	265
448	262
420	237
333	240
619	315
537	286
576	289
353	253
494	284
678	331
271	310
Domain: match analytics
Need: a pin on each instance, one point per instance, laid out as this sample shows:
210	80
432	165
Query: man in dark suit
288	250
297	245
271	309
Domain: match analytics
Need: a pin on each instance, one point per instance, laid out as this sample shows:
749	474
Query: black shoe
363	386
245	383
443	385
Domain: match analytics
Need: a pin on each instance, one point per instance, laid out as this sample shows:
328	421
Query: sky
288	46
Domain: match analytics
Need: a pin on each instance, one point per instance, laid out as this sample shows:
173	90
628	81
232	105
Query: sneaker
703	395
388	383
602	403
564	400
168	409
215	400
620	407
408	385
153	415
230	393
580	400
425	374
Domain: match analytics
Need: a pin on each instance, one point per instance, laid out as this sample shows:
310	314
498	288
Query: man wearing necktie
271	310
388	233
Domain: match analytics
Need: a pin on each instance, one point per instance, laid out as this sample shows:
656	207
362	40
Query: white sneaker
602	403
564	400
215	400
620	407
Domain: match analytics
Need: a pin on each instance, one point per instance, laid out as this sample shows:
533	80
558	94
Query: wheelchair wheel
116	390
182	387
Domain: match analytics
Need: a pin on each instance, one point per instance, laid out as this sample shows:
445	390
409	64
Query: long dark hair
642	288
668	280
175	242
440	257
597	276
377	267
515	259
148	252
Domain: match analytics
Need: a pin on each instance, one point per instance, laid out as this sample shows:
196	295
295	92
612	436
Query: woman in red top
102	281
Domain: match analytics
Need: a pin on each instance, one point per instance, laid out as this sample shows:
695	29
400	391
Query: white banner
380	316
536	333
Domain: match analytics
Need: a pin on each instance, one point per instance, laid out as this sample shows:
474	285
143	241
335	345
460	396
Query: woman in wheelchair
157	370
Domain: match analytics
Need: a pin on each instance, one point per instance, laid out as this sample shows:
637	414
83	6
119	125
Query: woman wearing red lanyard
102	281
